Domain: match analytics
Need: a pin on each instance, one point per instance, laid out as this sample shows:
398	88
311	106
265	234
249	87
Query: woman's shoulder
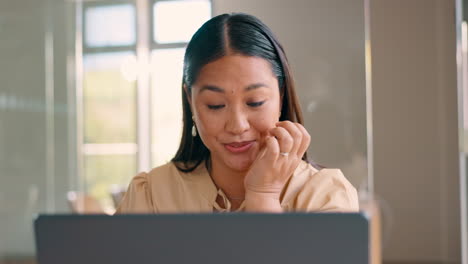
168	176
163	171
157	174
325	189
142	190
138	197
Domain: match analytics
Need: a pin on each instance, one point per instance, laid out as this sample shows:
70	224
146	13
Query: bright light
177	21
129	68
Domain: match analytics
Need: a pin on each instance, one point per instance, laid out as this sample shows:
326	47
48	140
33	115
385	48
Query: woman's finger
305	139
285	140
272	150
261	152
261	147
295	134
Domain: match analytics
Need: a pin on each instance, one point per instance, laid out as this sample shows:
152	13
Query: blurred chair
84	204
117	192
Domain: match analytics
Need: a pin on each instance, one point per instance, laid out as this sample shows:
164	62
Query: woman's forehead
236	71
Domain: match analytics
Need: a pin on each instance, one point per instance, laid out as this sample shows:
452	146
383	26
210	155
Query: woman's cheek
264	123
266	118
208	127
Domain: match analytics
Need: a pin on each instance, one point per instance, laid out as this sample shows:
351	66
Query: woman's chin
239	165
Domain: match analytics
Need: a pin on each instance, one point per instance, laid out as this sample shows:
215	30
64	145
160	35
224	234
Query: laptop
241	238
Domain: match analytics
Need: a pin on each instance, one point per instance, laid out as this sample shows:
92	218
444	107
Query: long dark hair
235	33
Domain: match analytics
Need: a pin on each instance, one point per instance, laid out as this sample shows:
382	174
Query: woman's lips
239	147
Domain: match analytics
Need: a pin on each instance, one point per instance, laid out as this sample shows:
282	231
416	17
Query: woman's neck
228	180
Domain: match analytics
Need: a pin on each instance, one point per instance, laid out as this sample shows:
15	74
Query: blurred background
90	95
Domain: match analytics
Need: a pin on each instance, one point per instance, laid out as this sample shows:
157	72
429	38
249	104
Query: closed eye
215	107
255	104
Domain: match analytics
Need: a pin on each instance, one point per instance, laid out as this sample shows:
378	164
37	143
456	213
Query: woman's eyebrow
211	88
255	86
217	89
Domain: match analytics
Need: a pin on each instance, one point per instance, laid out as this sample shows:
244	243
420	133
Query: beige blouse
167	190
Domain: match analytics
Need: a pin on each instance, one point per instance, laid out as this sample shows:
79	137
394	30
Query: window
176	21
114	74
101	23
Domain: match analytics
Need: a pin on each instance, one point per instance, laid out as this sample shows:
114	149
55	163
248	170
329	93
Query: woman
243	146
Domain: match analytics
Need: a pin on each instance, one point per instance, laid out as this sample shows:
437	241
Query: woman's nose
237	122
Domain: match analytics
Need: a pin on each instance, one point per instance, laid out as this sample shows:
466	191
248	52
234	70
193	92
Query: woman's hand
276	161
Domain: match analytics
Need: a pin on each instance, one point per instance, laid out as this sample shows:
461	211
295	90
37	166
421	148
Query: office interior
90	90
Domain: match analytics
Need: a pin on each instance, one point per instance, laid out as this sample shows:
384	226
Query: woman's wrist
262	202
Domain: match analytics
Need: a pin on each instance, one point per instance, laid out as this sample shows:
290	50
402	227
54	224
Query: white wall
415	127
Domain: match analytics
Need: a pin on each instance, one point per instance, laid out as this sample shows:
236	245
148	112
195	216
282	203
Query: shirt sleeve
327	191
138	197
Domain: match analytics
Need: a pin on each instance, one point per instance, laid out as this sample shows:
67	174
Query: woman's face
235	100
